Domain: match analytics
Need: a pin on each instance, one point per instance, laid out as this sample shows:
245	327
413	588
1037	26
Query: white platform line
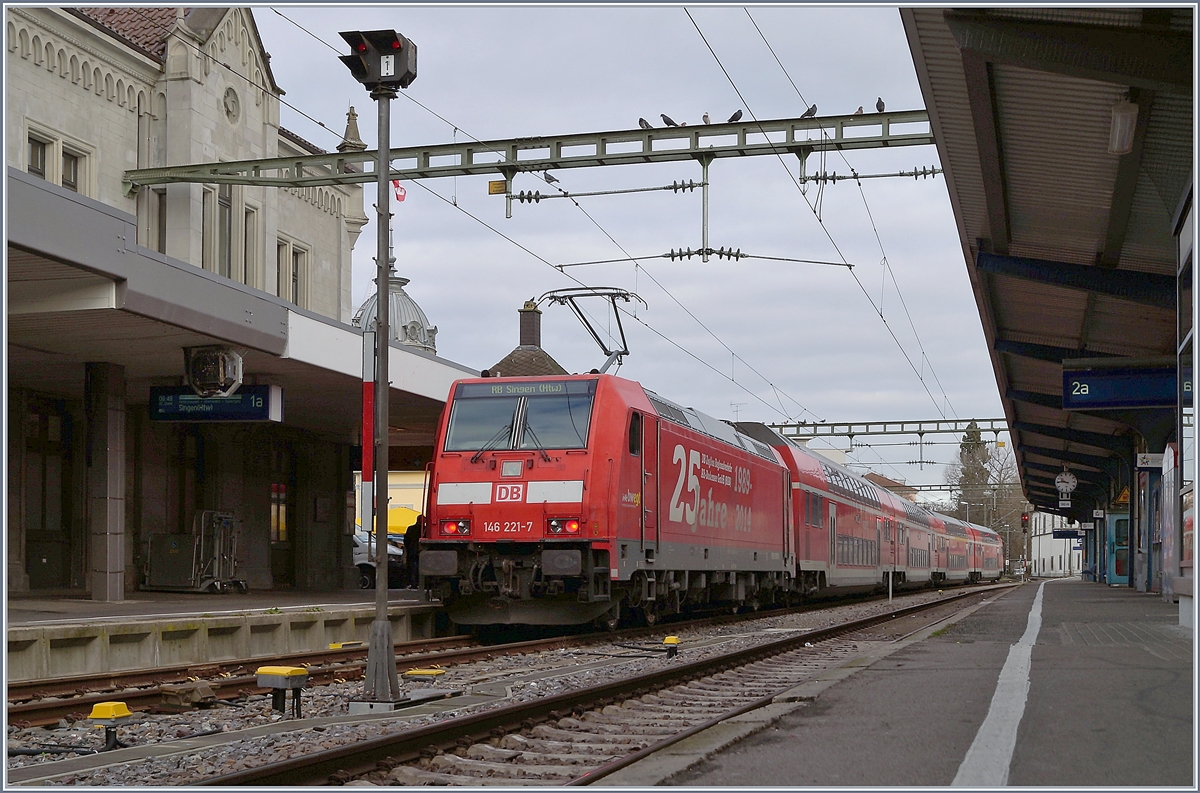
987	761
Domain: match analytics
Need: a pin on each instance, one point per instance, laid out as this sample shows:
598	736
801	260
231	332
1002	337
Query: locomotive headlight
455	528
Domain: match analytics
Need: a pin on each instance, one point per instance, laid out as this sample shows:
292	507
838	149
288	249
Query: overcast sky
754	339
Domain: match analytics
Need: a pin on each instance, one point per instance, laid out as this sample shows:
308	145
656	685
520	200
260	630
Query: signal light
381	58
455	528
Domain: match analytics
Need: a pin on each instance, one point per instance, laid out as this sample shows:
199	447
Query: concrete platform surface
1109	703
28	609
61	637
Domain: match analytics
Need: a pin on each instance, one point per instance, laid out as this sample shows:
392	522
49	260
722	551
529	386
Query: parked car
364	560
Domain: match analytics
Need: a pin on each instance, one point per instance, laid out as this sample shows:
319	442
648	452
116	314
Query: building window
158	198
37	157
250	247
207	232
57	159
224	230
70	171
298	260
283	278
292	265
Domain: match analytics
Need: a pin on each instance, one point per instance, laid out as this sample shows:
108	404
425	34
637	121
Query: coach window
635	434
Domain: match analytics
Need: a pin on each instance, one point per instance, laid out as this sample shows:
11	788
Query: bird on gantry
644	124
812	111
879	104
667	120
705	118
858	112
735	117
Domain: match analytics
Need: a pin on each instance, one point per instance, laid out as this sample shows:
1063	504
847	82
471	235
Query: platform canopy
1070	248
80	289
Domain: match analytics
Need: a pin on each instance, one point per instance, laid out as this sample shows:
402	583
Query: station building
108	288
1050	556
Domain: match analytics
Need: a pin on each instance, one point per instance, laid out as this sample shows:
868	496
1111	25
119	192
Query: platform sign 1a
248	403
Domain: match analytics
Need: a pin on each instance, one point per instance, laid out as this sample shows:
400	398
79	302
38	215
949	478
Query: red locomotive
565	500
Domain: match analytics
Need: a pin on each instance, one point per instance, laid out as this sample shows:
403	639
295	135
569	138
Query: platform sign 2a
1096	384
248	403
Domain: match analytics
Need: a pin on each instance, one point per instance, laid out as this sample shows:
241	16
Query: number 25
680	511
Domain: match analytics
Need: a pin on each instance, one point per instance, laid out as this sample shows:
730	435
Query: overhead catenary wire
866	205
628	313
689	253
637	263
636	259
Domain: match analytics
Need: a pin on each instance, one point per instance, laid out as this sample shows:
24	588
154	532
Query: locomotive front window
520	415
476	423
556	422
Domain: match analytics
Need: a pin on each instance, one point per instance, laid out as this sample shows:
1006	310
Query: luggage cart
205	561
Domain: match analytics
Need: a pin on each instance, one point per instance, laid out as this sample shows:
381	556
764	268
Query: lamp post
381	60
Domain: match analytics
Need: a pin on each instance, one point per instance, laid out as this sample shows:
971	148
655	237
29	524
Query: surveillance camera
213	371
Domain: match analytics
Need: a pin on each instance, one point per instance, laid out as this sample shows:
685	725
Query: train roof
707	425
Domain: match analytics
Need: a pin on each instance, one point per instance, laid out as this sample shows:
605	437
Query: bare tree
985	487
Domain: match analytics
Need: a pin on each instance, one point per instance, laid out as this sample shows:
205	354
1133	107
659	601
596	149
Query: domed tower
407	323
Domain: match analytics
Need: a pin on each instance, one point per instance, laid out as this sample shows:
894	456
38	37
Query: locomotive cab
511	528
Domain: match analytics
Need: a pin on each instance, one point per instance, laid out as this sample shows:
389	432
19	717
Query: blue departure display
1122	388
250	403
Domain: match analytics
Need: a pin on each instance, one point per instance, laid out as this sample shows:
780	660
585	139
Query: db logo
510	492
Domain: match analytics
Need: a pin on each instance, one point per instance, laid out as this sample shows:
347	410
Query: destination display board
505	387
1107	389
249	403
1065	534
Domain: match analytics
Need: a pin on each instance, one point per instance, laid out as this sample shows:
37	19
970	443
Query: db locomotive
588	498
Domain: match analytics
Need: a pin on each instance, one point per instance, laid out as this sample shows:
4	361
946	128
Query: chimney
531	325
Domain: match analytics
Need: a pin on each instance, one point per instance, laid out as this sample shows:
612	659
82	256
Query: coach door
833	535
651	484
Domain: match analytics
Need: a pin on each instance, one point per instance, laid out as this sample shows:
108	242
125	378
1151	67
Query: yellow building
406	499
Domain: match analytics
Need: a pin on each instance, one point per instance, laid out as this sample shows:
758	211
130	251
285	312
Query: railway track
45	702
581	736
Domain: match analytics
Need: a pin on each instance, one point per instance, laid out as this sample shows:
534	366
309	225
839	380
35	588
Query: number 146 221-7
507	526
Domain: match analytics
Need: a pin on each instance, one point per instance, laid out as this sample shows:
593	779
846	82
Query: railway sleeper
570	736
614	729
463	765
693	699
584	751
632	718
658	709
717	692
411	775
483	751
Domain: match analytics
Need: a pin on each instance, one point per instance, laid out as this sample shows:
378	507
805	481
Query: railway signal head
380	58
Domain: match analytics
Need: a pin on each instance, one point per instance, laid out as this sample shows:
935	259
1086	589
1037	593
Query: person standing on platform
412	542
